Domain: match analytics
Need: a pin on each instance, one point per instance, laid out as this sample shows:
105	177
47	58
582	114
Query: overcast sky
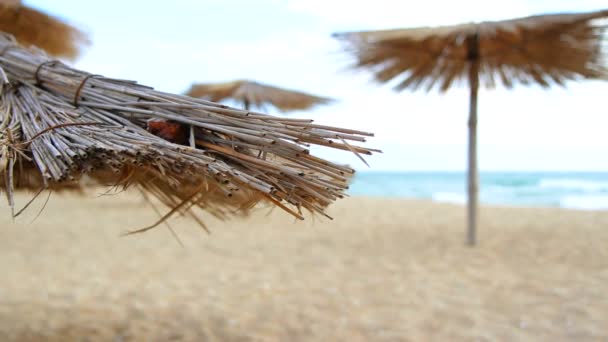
171	44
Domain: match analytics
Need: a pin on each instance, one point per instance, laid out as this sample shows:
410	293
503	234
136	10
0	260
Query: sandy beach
383	270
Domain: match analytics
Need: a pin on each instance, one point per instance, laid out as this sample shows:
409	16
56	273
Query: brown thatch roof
540	49
32	27
58	124
256	95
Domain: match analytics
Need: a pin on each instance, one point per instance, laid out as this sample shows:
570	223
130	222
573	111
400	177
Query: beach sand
383	270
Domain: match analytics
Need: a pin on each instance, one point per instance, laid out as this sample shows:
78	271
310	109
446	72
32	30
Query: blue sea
576	190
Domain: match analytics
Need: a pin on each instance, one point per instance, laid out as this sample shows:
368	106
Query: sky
170	45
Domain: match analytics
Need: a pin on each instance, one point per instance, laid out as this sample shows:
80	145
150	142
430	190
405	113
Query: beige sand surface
383	270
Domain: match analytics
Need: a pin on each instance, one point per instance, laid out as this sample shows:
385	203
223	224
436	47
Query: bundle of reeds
58	124
33	27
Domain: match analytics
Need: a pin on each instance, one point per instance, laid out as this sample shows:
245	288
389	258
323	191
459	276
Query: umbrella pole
473	174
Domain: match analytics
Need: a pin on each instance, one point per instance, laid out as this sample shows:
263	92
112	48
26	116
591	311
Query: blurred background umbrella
33	27
541	50
256	95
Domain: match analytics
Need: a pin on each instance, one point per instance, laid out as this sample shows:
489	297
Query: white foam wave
589	202
573	184
449	197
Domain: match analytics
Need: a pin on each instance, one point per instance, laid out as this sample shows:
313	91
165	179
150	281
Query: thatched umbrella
58	123
542	49
33	27
258	95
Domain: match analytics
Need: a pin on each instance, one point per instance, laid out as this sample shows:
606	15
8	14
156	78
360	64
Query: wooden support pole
473	174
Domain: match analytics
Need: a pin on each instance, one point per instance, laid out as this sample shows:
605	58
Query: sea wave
589	202
573	184
449	197
571	190
516	182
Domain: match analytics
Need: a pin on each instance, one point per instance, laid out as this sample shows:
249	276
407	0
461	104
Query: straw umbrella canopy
541	50
58	124
33	27
256	95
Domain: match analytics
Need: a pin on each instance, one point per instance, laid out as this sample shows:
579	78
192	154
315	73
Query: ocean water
576	190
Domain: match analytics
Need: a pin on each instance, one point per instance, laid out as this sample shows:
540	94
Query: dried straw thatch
32	27
58	124
538	49
256	95
541	49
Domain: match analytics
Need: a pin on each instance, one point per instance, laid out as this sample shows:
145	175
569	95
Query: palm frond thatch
33	27
58	124
540	49
256	95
